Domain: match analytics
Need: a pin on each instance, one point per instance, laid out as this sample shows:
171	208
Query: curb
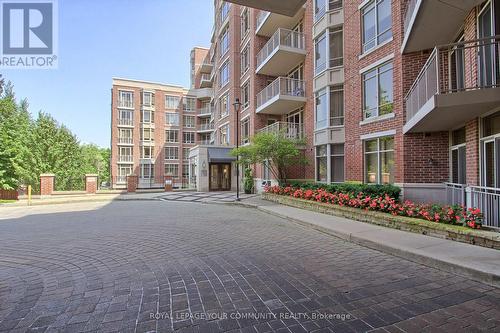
471	273
55	202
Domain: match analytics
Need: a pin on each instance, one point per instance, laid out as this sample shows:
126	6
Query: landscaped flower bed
455	215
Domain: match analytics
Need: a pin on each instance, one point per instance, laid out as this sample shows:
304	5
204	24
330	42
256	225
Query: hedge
392	191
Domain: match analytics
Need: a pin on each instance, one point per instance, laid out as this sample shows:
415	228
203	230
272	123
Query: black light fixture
237	107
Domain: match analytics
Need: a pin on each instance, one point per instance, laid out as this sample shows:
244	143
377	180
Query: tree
276	149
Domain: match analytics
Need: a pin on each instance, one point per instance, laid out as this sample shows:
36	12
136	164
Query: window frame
376	73
373	6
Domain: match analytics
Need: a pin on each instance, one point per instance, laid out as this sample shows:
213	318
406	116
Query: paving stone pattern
148	266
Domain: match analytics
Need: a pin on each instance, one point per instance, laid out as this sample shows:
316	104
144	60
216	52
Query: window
336	48
321	164
171	153
188	137
224	12
125	136
377	23
245	131
147	171
224	75
185	171
337	106
125	99
148	99
189	104
458	157
245	23
266	171
147	116
172	136
490	151
125	117
320	54
245	95
172	102
172	170
123	172
189	121
224	42
337	163
185	153
379	161
147	152
321	109
224	135
224	106
377	91
172	119
319	9
147	134
125	154
245	59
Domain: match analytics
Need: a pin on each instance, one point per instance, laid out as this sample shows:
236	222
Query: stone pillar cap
132	175
91	175
47	175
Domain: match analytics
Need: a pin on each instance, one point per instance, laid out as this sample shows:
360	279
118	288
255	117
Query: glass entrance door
220	177
487	53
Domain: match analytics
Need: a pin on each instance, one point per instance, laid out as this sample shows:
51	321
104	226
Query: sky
100	39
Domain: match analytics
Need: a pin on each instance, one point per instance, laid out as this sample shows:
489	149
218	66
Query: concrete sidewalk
467	260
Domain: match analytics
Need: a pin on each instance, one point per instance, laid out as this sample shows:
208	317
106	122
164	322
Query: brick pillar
46	184
169	181
91	183
132	182
472	151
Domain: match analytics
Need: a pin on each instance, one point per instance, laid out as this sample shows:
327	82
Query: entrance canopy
220	155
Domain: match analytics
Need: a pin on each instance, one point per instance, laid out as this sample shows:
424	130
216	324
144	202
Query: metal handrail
409	13
281	86
289	130
125	158
282	37
263	15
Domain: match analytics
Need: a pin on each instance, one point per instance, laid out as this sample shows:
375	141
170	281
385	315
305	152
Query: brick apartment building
368	84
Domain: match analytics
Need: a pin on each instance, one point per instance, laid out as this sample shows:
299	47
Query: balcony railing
206	127
125	122
282	37
125	158
120	180
125	104
205	142
262	17
125	141
453	68
288	130
205	110
455	194
281	86
206	77
409	13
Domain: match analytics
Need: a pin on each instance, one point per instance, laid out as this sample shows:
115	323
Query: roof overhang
284	7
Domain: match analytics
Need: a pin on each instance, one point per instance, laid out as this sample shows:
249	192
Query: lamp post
237	107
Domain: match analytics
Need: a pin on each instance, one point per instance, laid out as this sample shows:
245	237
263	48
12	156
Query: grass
7	201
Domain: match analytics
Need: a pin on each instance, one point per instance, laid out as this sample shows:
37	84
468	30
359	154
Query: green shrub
370	190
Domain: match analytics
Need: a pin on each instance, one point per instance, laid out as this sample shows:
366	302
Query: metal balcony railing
455	194
125	122
409	13
206	77
125	141
281	86
125	104
282	37
453	68
125	158
205	110
288	130
206	127
262	17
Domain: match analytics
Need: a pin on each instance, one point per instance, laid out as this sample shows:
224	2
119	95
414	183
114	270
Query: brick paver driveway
209	268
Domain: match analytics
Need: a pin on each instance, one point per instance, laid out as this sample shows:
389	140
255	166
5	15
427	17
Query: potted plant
248	182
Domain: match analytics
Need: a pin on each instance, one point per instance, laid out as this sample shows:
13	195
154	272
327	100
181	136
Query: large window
147	152
321	111
337	106
490	151
379	161
320	54
245	59
172	102
172	170
377	23
245	95
125	117
185	170
224	42
245	131
147	171
172	136
189	104
321	164
337	163
188	137
172	119
147	116
189	121
185	153
224	135
224	74
148	99
458	157
171	153
378	91
147	134
321	6
336	47
245	23
125	99
224	11
224	106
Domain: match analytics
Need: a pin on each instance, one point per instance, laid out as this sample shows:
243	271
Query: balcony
125	122
288	130
205	128
288	7
125	159
268	23
204	93
430	23
206	81
459	82
205	111
206	67
284	50
125	141
282	96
